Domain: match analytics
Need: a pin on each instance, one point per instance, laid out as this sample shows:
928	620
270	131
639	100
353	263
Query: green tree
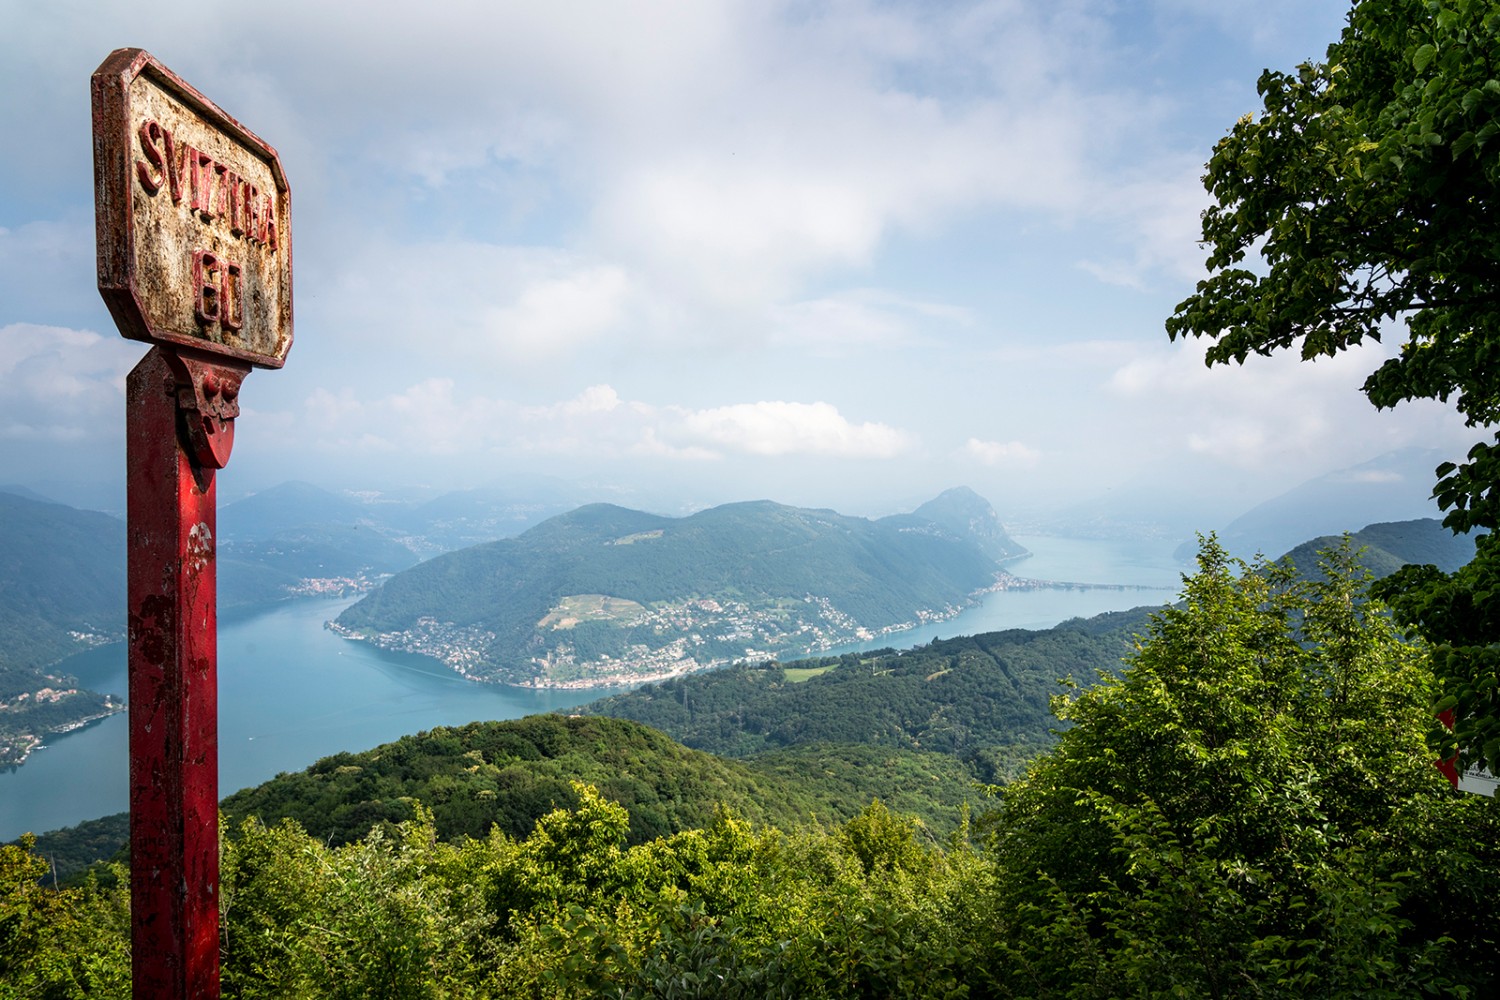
60	943
1368	187
1248	810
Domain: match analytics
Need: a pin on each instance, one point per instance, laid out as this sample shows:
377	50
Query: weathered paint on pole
193	222
174	748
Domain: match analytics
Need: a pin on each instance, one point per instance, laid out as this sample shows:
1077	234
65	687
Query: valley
292	691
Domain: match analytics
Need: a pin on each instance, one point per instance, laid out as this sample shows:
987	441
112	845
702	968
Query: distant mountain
308	559
1397	486
968	515
25	493
299	539
1389	546
606	594
62	590
463	518
264	514
62	577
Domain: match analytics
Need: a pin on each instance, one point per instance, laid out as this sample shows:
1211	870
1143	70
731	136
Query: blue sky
839	254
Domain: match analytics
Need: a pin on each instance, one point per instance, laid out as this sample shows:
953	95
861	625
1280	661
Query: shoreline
36	741
461	658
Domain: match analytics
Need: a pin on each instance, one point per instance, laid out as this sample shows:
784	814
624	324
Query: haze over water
291	692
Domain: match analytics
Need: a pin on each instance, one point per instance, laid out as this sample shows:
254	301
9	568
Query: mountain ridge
568	601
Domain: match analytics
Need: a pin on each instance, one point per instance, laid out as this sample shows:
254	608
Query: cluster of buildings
659	643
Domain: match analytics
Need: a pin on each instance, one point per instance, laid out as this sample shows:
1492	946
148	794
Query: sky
842	254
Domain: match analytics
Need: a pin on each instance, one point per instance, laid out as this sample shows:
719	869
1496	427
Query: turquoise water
1146	564
291	692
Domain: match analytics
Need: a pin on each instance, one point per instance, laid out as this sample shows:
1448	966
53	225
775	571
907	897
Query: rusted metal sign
193	217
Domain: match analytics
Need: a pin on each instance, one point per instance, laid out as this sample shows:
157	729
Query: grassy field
796	675
576	608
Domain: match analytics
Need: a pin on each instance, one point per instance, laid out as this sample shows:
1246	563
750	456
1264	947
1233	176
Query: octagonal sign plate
193	217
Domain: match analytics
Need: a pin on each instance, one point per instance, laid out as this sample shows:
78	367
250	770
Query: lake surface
291	692
1144	564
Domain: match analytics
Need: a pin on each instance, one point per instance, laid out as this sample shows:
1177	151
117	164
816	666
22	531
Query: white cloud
62	385
1002	454
436	417
555	316
1277	410
596	399
851	322
460	303
778	428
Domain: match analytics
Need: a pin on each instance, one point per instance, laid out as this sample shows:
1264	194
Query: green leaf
1423	57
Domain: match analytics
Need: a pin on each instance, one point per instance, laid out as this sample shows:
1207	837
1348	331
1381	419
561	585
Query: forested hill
608	593
983	699
62	580
510	774
969	515
813	742
62	589
1386	547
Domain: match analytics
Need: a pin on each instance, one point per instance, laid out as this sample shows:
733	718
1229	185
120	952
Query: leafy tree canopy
1248	810
1368	186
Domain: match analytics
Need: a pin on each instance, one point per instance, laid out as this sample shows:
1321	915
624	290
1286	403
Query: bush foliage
1247	810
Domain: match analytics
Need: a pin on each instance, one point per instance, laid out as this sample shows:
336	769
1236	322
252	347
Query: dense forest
508	775
983	699
1247	809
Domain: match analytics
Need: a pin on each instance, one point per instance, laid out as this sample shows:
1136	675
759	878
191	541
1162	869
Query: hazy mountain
299	539
470	517
297	556
607	592
1397	486
1391	545
265	514
62	589
298	530
62	571
25	493
969	515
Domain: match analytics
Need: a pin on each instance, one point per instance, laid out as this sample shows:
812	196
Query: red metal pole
173	661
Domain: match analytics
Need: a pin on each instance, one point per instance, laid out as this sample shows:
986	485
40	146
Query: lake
1131	563
291	692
